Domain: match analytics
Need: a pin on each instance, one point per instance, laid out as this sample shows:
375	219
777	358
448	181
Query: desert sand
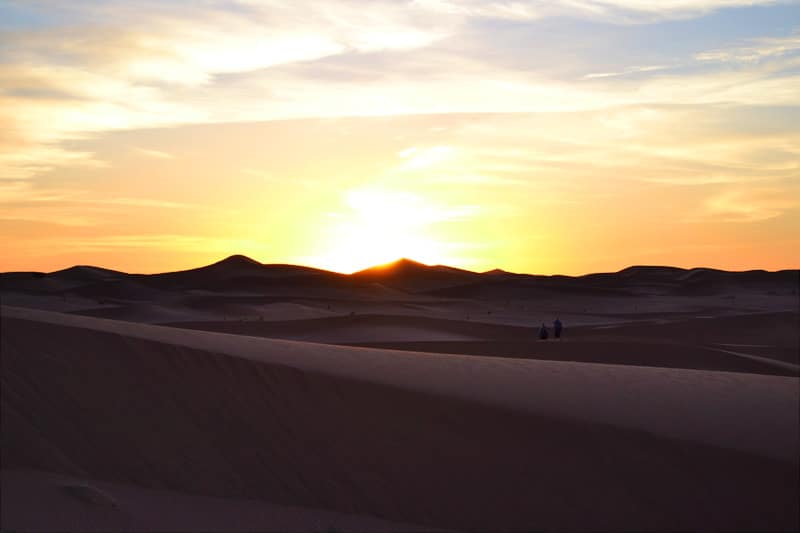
253	397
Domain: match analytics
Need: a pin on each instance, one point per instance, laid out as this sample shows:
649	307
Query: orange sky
356	136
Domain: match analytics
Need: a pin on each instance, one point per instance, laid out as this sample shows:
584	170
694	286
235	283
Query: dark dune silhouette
405	274
88	273
241	272
235	271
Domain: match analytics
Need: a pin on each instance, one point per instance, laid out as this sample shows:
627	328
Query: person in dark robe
543	332
557	327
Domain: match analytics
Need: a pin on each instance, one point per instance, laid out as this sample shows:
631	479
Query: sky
562	136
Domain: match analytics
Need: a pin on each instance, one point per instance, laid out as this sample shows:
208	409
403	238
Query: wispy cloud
759	49
145	202
506	10
619	11
276	178
416	158
126	69
750	205
171	242
148	152
631	70
164	65
648	11
477	179
20	200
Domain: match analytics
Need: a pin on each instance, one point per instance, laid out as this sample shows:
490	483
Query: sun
380	226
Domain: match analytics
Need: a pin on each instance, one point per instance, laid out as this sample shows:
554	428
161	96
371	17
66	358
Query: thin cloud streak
148	152
631	70
749	206
762	48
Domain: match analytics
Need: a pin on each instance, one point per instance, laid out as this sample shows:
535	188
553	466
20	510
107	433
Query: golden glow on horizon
379	227
539	193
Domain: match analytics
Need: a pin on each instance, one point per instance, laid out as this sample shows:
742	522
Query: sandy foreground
42	501
306	436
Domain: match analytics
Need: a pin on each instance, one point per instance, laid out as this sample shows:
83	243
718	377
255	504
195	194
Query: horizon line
393	262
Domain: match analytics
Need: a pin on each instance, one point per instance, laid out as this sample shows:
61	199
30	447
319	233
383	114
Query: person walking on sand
557	327
543	332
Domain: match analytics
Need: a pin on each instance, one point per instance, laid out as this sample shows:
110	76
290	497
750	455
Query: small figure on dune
557	327
543	332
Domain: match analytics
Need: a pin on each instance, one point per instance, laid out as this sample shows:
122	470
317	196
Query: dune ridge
526	384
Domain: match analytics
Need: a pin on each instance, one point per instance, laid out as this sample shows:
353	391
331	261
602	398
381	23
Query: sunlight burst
382	226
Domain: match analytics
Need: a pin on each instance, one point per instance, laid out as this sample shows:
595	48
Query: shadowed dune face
78	504
111	407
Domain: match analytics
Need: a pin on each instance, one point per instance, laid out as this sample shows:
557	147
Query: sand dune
408	275
361	328
630	282
288	398
147	313
88	274
235	266
242	273
682	343
620	352
79	504
439	440
241	288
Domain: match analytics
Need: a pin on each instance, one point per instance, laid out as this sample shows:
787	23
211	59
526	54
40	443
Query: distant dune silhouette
241	272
